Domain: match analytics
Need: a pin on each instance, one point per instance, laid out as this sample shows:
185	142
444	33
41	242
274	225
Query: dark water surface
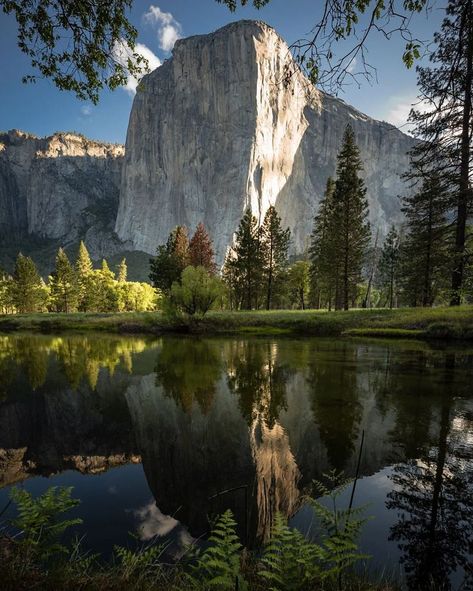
156	435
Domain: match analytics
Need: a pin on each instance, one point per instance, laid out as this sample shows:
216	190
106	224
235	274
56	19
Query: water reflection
247	424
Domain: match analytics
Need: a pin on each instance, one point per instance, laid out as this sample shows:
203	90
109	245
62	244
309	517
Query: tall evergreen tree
324	272
425	247
63	284
28	290
350	220
122	271
274	245
84	270
201	253
444	123
170	260
246	262
389	266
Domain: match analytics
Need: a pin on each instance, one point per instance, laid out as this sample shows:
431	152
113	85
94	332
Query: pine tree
246	261
84	270
171	259
425	247
28	290
201	253
63	284
324	274
106	292
274	244
389	265
122	271
350	220
444	125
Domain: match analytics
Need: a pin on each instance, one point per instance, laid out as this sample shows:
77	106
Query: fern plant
141	562
218	567
289	561
40	521
340	528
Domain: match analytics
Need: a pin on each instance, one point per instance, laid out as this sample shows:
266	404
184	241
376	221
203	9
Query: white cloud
400	107
352	66
168	28
399	112
122	53
86	110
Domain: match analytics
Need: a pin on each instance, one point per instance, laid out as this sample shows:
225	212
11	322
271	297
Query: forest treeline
77	287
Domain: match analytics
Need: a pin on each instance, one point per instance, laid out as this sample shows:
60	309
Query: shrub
197	292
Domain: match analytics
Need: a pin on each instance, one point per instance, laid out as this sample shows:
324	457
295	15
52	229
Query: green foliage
170	261
424	250
274	244
197	292
218	567
39	521
139	563
244	264
298	279
289	561
28	291
63	285
340	528
341	234
81	48
122	271
324	272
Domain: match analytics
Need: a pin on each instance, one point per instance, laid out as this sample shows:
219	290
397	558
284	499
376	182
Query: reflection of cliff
190	456
240	424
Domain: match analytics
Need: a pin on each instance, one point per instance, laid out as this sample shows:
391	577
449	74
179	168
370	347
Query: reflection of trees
255	375
79	357
260	381
188	371
434	496
335	401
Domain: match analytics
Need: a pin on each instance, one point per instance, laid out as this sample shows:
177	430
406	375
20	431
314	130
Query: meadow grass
426	323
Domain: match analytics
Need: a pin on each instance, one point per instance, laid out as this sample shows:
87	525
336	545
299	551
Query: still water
157	435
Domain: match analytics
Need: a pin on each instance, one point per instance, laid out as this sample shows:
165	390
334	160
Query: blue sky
42	109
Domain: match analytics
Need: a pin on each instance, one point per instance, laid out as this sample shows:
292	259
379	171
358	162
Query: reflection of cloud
168	28
122	53
154	524
112	490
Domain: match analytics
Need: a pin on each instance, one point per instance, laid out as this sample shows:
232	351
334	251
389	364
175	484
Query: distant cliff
58	190
219	127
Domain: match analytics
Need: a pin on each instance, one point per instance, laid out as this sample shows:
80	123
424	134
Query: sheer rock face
63	187
219	127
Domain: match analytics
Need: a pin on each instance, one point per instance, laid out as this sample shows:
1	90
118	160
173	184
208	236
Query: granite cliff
221	126
58	190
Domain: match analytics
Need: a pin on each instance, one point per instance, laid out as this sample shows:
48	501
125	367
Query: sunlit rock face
62	188
219	127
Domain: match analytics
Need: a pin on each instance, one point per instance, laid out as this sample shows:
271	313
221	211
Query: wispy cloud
168	29
122	53
86	110
399	107
352	66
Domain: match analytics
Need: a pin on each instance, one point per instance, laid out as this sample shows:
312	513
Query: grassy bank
424	323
